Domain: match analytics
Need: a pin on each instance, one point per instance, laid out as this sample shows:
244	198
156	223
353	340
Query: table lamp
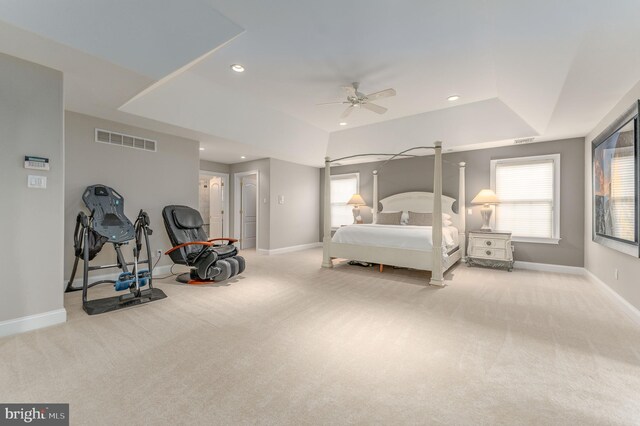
486	197
356	201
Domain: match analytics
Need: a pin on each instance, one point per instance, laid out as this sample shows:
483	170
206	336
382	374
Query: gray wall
296	182
263	167
294	222
600	260
147	180
212	166
416	174
31	119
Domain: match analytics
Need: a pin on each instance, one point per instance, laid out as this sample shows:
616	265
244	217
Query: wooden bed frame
436	203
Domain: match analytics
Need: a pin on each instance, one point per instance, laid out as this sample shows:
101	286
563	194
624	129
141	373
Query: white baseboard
289	249
162	270
632	312
547	267
32	322
77	282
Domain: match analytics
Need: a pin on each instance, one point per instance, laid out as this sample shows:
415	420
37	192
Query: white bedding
396	236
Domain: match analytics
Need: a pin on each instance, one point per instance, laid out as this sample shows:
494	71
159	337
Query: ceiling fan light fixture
243	157
356	100
237	68
453	98
343	123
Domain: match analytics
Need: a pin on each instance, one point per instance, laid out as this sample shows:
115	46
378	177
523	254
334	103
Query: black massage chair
208	261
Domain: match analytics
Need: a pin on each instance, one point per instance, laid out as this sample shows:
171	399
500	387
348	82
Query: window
529	190
342	188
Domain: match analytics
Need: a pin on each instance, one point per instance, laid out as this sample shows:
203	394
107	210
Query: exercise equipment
107	224
208	261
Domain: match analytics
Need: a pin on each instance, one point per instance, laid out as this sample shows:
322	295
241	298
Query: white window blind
526	189
342	188
623	197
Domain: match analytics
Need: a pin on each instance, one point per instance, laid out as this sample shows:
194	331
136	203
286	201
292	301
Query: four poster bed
403	245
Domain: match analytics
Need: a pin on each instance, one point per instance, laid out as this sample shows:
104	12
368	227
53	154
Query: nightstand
490	248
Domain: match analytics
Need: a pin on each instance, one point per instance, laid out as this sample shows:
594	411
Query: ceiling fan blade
332	103
375	108
347	111
349	90
381	94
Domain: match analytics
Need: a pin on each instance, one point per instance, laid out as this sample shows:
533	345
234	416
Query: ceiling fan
356	99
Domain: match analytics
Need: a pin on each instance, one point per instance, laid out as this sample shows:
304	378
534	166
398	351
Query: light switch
39	182
280	199
469	211
264	201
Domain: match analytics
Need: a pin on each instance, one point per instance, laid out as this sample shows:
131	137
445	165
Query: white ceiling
456	126
547	69
300	53
149	37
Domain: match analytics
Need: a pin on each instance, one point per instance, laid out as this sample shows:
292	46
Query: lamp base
356	214
486	217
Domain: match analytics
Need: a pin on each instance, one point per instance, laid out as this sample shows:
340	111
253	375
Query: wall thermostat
36	163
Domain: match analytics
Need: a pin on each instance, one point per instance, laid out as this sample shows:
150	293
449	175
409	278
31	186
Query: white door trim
237	202
225	195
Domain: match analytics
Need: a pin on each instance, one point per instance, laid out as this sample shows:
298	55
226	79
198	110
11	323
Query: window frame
343	176
555	238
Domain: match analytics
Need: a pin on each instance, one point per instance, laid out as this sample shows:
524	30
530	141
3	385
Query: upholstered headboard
420	202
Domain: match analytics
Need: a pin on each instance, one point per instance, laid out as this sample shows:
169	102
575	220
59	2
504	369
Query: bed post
462	211
436	229
326	238
374	207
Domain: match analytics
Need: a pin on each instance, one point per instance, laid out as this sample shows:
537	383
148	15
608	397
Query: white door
204	201
248	212
216	207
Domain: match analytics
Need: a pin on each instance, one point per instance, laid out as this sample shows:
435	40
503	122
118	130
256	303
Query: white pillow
446	216
446	222
405	218
447	237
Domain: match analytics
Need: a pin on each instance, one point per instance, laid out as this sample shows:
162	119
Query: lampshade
356	200
486	196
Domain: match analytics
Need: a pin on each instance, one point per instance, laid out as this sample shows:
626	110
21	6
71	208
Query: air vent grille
120	139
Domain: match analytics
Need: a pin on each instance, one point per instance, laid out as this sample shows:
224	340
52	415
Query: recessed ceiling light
453	98
343	123
237	68
243	157
201	149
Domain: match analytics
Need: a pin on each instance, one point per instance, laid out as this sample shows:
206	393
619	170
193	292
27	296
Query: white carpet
291	343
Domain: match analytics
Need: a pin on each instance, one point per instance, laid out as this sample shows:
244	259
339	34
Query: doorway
246	209
213	195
